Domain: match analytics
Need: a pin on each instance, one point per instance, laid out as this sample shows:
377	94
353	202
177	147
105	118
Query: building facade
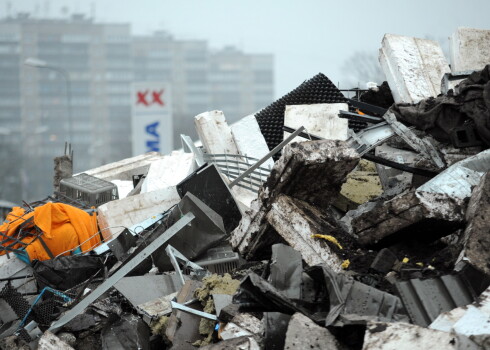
82	93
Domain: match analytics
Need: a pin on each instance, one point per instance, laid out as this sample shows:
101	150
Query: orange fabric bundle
64	228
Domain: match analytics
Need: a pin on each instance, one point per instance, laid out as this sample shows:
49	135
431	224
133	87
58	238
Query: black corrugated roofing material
318	89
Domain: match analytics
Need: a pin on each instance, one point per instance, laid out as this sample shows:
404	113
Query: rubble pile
321	222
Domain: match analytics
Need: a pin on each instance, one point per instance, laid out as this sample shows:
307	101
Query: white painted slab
214	132
469	49
249	140
168	171
318	119
413	67
459	179
404	336
469	320
123	187
125	168
114	216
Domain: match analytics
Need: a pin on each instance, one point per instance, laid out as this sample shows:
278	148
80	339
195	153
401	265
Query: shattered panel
477	238
296	222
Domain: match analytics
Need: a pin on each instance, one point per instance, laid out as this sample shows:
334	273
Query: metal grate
89	189
220	260
233	165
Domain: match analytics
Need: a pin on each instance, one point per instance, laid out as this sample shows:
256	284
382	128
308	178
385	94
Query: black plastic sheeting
440	116
66	272
318	89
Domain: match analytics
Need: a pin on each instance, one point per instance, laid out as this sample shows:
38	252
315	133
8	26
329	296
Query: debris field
320	222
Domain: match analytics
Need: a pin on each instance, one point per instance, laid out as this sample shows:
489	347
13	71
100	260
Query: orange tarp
64	228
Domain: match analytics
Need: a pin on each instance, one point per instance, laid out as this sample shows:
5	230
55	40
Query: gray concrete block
469	49
413	67
304	334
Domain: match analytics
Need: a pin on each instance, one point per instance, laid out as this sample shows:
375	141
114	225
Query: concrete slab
241	325
476	237
372	223
471	320
14	267
241	343
156	308
125	168
168	171
413	67
304	334
458	180
249	140
404	336
311	171
214	132
469	49
49	341
114	216
296	222
318	119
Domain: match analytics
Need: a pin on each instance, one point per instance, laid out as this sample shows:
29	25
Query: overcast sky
306	37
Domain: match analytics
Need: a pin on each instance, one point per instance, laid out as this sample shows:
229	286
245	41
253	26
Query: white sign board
151	120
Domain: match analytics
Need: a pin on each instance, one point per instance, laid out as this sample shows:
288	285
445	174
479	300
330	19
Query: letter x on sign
156	97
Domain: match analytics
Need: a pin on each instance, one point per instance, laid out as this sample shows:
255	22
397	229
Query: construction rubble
320	222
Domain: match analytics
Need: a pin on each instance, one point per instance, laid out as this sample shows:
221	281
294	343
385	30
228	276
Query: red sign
156	97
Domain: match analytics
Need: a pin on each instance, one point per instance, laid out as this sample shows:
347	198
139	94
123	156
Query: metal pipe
267	156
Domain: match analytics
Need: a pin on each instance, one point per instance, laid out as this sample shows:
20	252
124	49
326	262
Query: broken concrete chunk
214	132
252	224
241	325
413	67
458	180
126	168
304	334
470	320
249	140
242	343
318	119
476	236
384	261
404	336
312	171
393	178
113	216
296	222
49	341
63	169
13	267
276	326
385	219
156	308
469	49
